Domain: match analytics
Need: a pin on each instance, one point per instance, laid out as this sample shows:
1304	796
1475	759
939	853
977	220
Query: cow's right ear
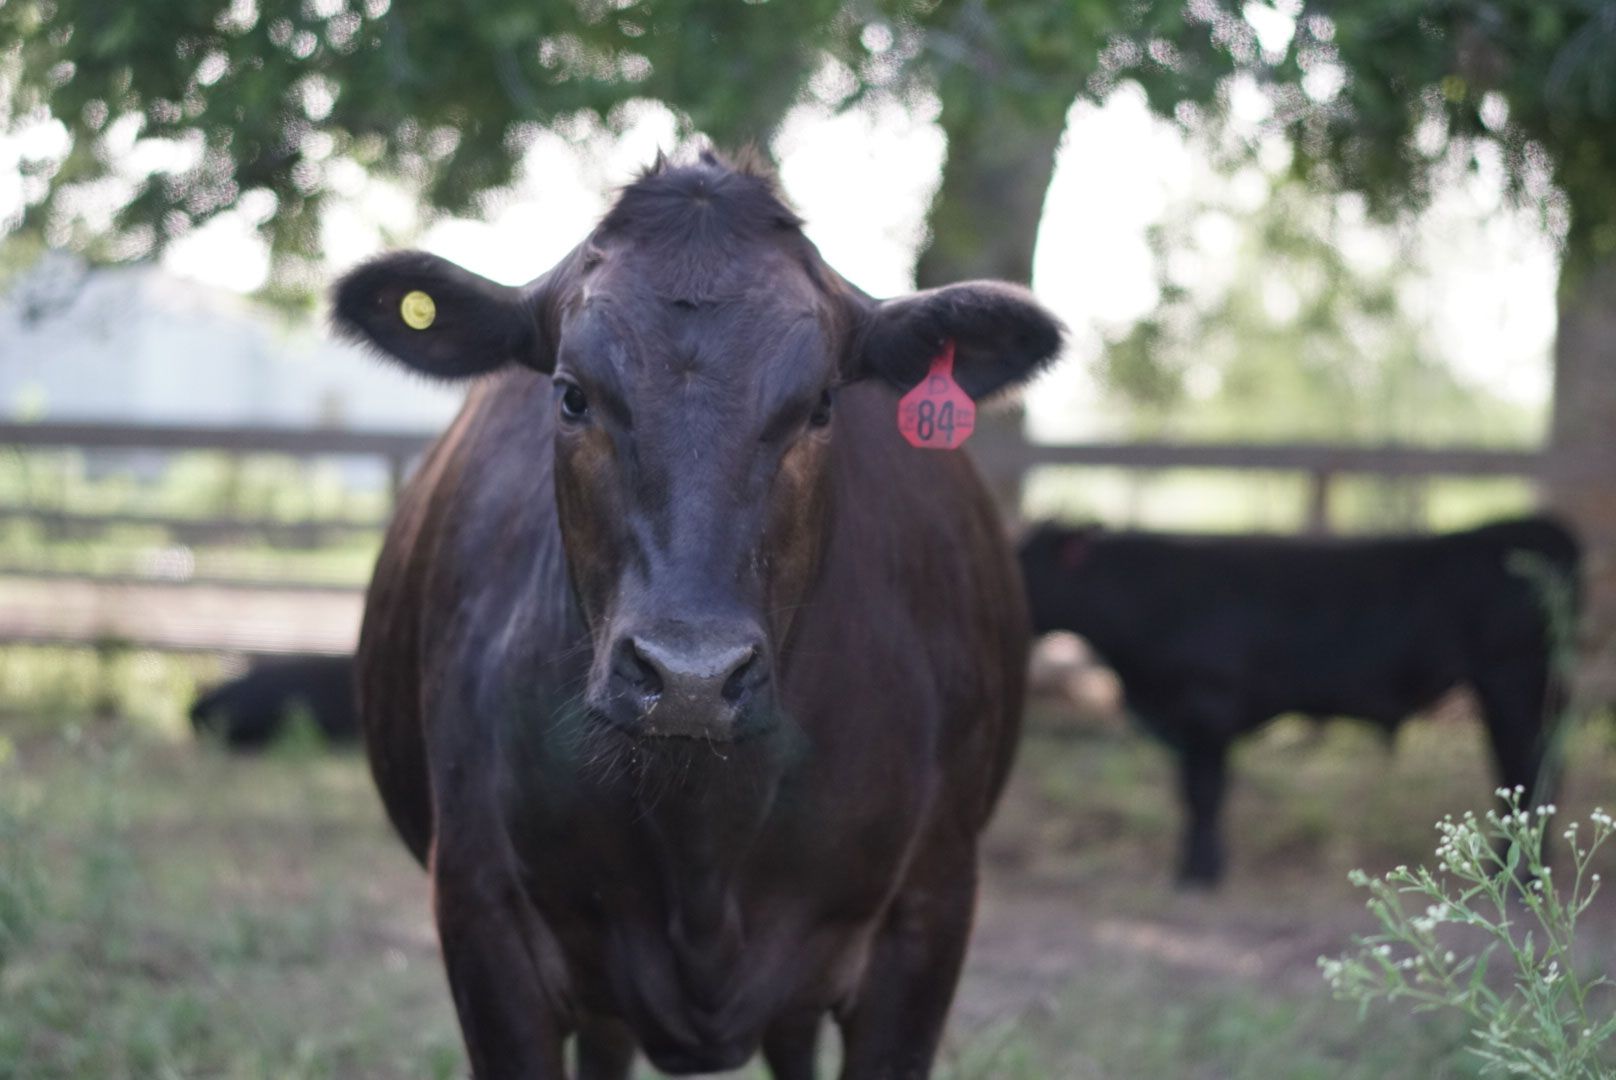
437	318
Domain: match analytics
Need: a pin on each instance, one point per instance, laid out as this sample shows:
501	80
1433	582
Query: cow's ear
1001	336
439	319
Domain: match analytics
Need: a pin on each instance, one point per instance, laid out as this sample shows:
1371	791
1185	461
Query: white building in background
134	344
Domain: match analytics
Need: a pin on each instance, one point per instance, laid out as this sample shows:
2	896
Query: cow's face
693	427
695	344
1056	569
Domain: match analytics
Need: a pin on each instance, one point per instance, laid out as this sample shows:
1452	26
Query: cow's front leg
1522	705
1203	776
791	1047
511	1029
892	1030
605	1049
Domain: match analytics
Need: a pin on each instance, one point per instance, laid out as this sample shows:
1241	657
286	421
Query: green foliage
1375	96
1299	342
1035	57
276	104
1555	1020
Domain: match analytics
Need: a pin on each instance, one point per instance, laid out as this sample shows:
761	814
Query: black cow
1214	636
688	679
249	711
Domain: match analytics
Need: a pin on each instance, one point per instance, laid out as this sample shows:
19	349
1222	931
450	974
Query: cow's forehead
763	273
734	356
750	313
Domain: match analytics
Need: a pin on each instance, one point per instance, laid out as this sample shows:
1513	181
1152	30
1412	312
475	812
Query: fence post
1318	502
108	650
395	479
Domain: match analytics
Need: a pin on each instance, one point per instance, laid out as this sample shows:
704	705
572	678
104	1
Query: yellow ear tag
418	310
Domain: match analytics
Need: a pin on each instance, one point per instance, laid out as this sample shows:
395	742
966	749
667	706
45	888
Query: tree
1292	339
1005	75
276	97
1387	97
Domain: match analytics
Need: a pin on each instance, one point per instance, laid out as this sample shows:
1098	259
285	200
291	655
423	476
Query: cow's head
1061	572
696	343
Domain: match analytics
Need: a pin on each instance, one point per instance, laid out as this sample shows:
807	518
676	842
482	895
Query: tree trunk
1581	474
984	220
984	224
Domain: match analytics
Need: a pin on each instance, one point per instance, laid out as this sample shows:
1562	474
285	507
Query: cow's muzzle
690	680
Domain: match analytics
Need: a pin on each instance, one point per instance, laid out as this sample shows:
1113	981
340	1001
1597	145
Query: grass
167	910
1146	1026
181	914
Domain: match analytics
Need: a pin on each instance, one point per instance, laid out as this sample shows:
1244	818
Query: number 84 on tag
937	414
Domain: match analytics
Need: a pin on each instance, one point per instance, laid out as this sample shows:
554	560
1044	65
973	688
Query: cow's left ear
1001	336
439	319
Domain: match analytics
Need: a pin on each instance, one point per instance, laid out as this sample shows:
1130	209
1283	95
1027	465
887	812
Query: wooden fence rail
300	442
396	449
1006	461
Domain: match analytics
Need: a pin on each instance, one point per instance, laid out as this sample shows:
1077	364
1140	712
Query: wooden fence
173	609
1006	460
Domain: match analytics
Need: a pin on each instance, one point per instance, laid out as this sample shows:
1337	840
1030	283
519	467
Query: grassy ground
167	910
174	912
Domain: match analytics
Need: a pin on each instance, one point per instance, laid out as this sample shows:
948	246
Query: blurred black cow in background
1212	637
248	712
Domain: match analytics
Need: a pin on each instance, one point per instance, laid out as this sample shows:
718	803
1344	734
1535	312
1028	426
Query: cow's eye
574	405
821	414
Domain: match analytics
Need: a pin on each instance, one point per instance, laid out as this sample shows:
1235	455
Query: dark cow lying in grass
1213	636
248	712
690	681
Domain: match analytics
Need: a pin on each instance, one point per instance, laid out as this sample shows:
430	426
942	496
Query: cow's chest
707	891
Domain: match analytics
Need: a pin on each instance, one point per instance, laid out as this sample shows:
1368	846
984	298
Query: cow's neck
703	808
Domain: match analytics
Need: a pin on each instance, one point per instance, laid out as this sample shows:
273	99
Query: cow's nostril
747	676
636	669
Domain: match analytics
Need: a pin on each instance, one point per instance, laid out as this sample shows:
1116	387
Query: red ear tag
937	414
